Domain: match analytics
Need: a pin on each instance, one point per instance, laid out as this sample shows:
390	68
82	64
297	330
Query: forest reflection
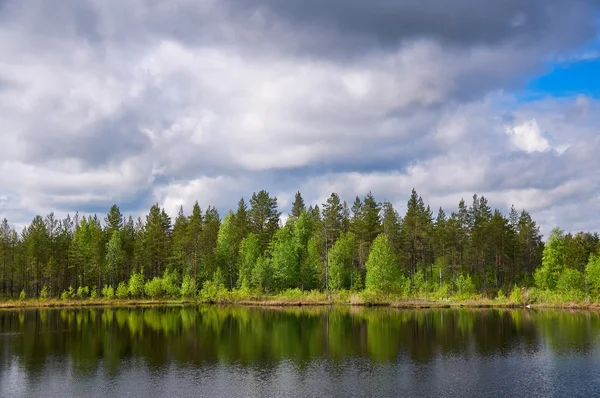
198	336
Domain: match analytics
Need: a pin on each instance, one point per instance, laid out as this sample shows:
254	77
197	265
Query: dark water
313	352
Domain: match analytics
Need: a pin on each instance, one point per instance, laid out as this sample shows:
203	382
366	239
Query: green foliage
592	276
94	294
22	295
122	291
68	294
340	262
83	292
570	280
442	292
284	259
464	286
170	284
261	275
418	285
249	254
214	290
108	292
188	287
516	295
136	284
254	253
153	288
383	274
553	261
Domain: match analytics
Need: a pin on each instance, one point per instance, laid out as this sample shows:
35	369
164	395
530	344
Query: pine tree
264	218
298	206
195	226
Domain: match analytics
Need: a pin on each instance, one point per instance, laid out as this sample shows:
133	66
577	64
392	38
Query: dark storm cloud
107	141
455	22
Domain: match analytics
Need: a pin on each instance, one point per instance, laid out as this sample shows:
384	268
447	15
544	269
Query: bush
83	292
214	290
94	294
516	296
153	288
464	286
68	294
418	284
169	284
108	292
44	293
188	287
122	291
443	291
569	280
22	295
136	284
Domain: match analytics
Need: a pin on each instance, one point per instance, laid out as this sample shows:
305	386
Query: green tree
248	257
383	275
298	207
284	261
592	276
553	261
264	218
341	257
114	255
227	249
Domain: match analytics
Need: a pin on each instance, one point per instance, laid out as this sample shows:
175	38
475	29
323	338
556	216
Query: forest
366	248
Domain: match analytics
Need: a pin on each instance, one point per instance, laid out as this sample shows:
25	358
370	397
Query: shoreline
278	302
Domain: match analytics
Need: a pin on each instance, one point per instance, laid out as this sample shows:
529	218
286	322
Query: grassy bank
527	297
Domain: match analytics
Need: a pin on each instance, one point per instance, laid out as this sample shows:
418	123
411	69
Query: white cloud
528	137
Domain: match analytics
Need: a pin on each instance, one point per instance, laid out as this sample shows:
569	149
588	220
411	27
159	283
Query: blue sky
144	102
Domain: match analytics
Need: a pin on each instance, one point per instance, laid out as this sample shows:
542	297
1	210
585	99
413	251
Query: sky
147	101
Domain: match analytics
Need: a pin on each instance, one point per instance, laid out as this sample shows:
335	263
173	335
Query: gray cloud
143	101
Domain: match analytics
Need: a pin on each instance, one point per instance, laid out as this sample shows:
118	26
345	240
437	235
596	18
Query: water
295	352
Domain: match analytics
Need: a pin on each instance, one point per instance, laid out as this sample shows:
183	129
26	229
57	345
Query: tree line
331	247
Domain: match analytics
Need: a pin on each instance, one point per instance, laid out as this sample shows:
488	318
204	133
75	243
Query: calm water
313	352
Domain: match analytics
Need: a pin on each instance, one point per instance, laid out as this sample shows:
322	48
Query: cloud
140	102
528	137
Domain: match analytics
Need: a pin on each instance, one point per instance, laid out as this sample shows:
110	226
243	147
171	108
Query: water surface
311	352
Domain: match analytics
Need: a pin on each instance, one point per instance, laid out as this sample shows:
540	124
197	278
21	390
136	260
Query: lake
298	352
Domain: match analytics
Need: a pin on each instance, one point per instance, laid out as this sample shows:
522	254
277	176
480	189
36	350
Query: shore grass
298	298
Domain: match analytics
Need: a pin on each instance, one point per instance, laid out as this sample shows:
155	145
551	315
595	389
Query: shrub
188	287
500	296
153	288
136	284
516	296
569	280
442	292
214	290
108	292
418	283
22	295
94	294
44	293
169	284
464	286
83	292
68	294
122	291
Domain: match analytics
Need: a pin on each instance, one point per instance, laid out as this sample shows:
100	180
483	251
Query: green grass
296	297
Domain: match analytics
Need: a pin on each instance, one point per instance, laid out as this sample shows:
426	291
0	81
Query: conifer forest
364	246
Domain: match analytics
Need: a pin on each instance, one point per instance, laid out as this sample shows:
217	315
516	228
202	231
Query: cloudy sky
143	101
